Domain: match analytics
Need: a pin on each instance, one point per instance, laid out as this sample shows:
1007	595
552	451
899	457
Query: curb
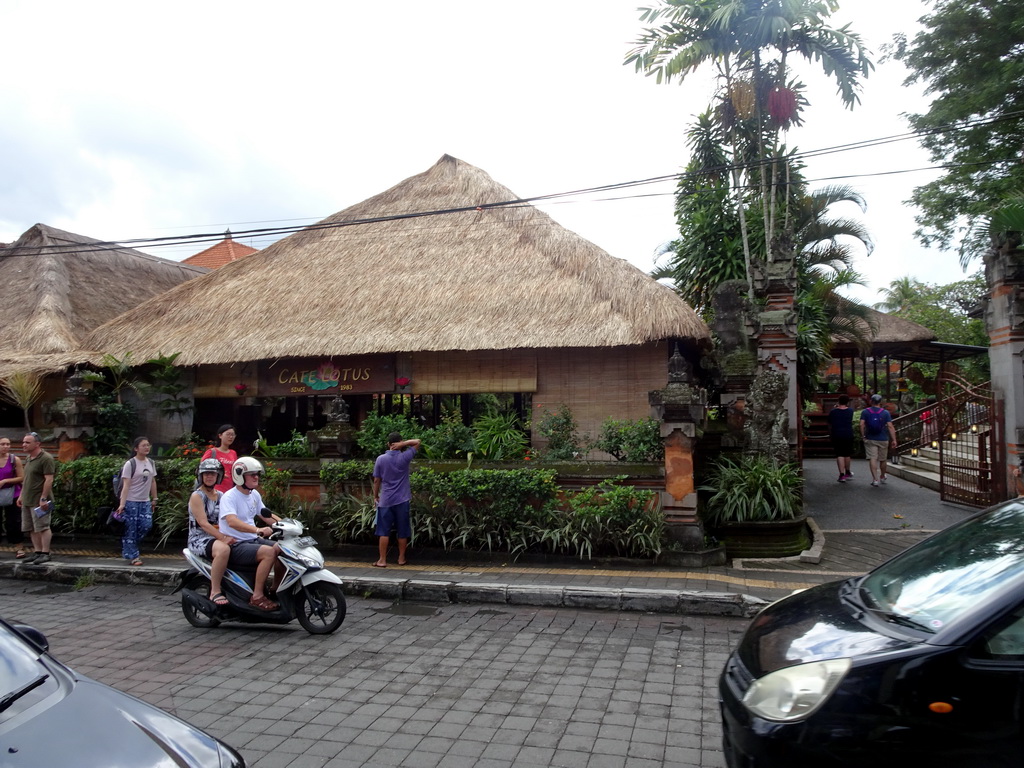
668	601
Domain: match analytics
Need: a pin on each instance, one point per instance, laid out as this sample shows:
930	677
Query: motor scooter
309	592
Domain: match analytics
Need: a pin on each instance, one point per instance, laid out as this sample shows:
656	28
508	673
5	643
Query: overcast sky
130	120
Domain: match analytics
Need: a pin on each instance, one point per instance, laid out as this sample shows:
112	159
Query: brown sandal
19	553
263	603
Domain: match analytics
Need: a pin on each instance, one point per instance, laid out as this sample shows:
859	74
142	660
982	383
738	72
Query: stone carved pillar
1004	321
774	328
681	408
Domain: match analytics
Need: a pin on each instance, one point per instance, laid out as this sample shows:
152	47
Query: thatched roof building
440	261
65	285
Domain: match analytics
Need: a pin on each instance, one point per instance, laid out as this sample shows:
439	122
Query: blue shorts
395	516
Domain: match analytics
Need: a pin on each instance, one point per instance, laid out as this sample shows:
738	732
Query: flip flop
404	562
19	554
378	565
219	599
136	561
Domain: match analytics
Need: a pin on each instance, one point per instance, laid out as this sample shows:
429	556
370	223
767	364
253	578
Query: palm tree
749	41
899	295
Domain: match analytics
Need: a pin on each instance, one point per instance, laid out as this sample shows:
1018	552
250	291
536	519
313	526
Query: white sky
127	120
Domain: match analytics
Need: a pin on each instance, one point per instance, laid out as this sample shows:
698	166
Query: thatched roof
63	285
481	278
219	254
889	335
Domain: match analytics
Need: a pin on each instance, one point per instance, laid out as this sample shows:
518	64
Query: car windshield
933	583
20	668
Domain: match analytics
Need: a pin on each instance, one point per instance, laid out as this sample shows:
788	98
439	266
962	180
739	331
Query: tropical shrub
296	447
334	475
752	489
372	437
631	440
561	431
499	437
610	518
451	439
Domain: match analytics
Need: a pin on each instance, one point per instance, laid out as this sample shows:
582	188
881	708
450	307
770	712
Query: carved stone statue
767	423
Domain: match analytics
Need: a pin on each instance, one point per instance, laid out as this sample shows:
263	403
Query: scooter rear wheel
321	608
193	615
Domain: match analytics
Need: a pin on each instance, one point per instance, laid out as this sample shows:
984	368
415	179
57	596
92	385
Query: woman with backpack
222	452
138	495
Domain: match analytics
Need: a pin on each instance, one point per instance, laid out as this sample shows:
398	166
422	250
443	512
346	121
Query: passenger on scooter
239	509
204	537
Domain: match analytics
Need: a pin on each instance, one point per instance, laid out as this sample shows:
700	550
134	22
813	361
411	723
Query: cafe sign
355	375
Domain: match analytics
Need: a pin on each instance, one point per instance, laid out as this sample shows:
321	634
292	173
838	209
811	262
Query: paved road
411	685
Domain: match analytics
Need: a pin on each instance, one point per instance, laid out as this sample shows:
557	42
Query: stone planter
769	538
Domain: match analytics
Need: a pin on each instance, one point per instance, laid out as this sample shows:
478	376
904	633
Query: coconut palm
899	295
750	41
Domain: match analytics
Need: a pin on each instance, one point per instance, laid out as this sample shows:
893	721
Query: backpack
119	480
874	420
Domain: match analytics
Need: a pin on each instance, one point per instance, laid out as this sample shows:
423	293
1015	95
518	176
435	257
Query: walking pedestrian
11	474
392	495
840	428
878	433
36	498
138	496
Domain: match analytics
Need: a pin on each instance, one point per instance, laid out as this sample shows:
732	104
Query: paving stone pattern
411	685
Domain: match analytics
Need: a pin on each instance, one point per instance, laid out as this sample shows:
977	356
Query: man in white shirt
239	509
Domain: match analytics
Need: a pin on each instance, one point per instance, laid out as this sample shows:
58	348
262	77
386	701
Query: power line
552	198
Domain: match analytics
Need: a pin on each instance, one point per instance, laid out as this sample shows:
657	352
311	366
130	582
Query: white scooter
309	592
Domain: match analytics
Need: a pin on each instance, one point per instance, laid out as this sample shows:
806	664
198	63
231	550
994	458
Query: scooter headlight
795	693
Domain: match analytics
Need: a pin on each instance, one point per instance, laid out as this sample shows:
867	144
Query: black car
919	662
52	717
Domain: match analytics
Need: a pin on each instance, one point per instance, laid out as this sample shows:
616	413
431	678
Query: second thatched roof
425	265
64	285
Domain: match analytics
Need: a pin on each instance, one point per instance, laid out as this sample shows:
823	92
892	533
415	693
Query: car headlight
796	692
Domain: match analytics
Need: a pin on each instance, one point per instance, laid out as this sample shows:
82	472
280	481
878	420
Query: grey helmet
246	465
210	465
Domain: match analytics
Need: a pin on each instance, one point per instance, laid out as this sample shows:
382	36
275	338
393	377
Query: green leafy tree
944	309
968	56
898	297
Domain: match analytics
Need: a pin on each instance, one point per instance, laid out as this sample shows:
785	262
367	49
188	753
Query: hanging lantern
782	105
741	94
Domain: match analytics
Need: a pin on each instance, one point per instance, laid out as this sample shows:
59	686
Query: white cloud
129	120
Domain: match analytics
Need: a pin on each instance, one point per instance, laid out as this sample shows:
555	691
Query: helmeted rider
205	539
239	509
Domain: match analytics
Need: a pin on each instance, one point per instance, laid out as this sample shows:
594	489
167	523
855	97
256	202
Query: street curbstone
385	589
424	590
483	592
649	600
543	595
598	598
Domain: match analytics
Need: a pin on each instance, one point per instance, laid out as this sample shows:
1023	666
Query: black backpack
119	480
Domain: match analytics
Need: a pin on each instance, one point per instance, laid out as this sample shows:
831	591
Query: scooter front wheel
193	615
321	608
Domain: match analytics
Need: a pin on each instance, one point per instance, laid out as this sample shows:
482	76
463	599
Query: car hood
812	625
85	724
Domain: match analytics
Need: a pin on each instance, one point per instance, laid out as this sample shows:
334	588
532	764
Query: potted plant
756	507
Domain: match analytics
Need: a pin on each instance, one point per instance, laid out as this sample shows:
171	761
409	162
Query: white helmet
246	465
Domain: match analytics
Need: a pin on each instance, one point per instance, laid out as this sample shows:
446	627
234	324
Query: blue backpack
874	420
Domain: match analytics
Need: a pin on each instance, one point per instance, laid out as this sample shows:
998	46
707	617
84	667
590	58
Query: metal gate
962	434
969	443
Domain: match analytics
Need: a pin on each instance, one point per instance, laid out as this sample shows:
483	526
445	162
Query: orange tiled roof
218	255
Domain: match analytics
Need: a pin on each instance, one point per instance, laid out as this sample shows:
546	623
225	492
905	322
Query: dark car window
1004	641
953	572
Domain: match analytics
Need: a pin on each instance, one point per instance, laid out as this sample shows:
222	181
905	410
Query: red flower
402	381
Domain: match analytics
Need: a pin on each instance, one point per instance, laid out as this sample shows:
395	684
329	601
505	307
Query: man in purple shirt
392	494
